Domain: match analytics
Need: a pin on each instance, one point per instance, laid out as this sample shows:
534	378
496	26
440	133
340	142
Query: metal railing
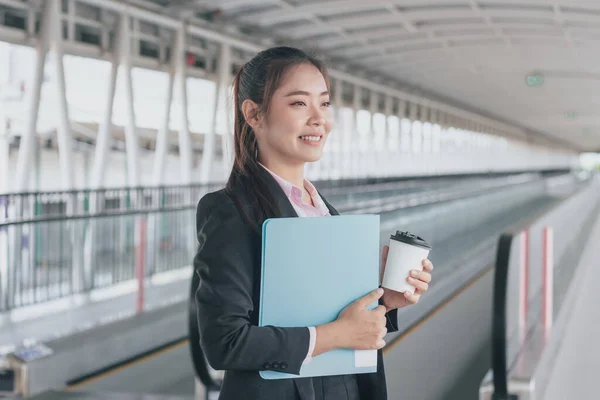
58	244
529	291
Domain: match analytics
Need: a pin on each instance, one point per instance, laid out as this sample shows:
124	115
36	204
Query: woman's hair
258	80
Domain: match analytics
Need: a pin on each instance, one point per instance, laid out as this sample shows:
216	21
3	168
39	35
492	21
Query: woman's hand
363	329
419	279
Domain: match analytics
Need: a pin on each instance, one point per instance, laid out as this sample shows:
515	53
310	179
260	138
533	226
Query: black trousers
338	387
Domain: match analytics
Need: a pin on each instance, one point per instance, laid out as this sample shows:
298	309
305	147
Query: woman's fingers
427	265
421	275
412	298
422	286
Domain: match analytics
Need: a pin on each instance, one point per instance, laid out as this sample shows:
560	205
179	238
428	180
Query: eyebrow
302	92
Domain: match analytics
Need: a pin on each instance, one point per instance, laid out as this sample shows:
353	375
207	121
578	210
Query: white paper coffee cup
407	252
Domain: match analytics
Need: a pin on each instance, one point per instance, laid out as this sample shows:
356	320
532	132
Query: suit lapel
332	210
282	201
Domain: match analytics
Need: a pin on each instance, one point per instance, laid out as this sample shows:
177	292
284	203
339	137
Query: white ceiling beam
309	30
452	25
226	5
497	29
358	21
399	34
397	46
172	23
320	8
591	19
408	25
519	13
245	45
15	4
374	21
316	20
345	6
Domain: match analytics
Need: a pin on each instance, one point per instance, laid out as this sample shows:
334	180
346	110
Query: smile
311	138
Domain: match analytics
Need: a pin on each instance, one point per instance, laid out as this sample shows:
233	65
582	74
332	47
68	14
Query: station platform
116	356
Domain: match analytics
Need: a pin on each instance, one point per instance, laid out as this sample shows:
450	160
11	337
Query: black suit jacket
228	264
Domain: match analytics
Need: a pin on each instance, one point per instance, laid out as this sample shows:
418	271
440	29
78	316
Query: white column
160	151
70	20
4	154
372	162
386	169
4	249
28	136
104	132
414	110
401	115
340	153
414	164
224	83
102	153
65	145
424	118
185	141
131	140
220	93
354	149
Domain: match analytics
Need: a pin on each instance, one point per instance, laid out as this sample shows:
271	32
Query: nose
318	118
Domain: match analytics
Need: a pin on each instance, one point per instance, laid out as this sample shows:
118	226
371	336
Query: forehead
303	77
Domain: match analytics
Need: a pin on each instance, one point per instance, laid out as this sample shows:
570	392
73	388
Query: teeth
311	138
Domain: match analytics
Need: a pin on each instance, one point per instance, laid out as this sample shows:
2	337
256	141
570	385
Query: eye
327	104
298	103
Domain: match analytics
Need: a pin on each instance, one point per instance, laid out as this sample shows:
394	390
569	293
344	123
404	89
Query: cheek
329	122
282	117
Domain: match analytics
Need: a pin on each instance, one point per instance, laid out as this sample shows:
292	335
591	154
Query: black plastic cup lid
409	238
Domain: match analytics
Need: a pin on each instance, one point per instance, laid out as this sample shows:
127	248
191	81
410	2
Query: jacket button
283	365
276	365
267	365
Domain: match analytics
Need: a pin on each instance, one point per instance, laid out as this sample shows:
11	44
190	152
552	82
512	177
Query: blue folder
312	268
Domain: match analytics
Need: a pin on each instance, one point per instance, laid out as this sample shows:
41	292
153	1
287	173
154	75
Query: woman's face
299	119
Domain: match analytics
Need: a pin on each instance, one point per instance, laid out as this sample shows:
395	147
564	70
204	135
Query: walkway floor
578	360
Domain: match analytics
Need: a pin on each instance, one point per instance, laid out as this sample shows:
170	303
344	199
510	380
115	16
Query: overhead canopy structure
535	63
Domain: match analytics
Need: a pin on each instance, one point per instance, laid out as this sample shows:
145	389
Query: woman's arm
224	262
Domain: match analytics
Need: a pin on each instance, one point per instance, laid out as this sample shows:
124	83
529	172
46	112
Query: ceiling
475	53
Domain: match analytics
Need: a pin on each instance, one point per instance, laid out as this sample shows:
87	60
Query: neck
293	173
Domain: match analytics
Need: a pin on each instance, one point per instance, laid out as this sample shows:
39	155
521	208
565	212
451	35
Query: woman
282	121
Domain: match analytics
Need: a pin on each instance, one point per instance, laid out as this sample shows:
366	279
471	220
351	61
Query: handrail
499	362
384	204
325	184
322	185
201	367
392	203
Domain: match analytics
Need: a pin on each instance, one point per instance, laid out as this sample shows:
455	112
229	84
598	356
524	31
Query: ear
251	113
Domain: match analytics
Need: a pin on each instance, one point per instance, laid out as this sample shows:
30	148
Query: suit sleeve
225	264
391	319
